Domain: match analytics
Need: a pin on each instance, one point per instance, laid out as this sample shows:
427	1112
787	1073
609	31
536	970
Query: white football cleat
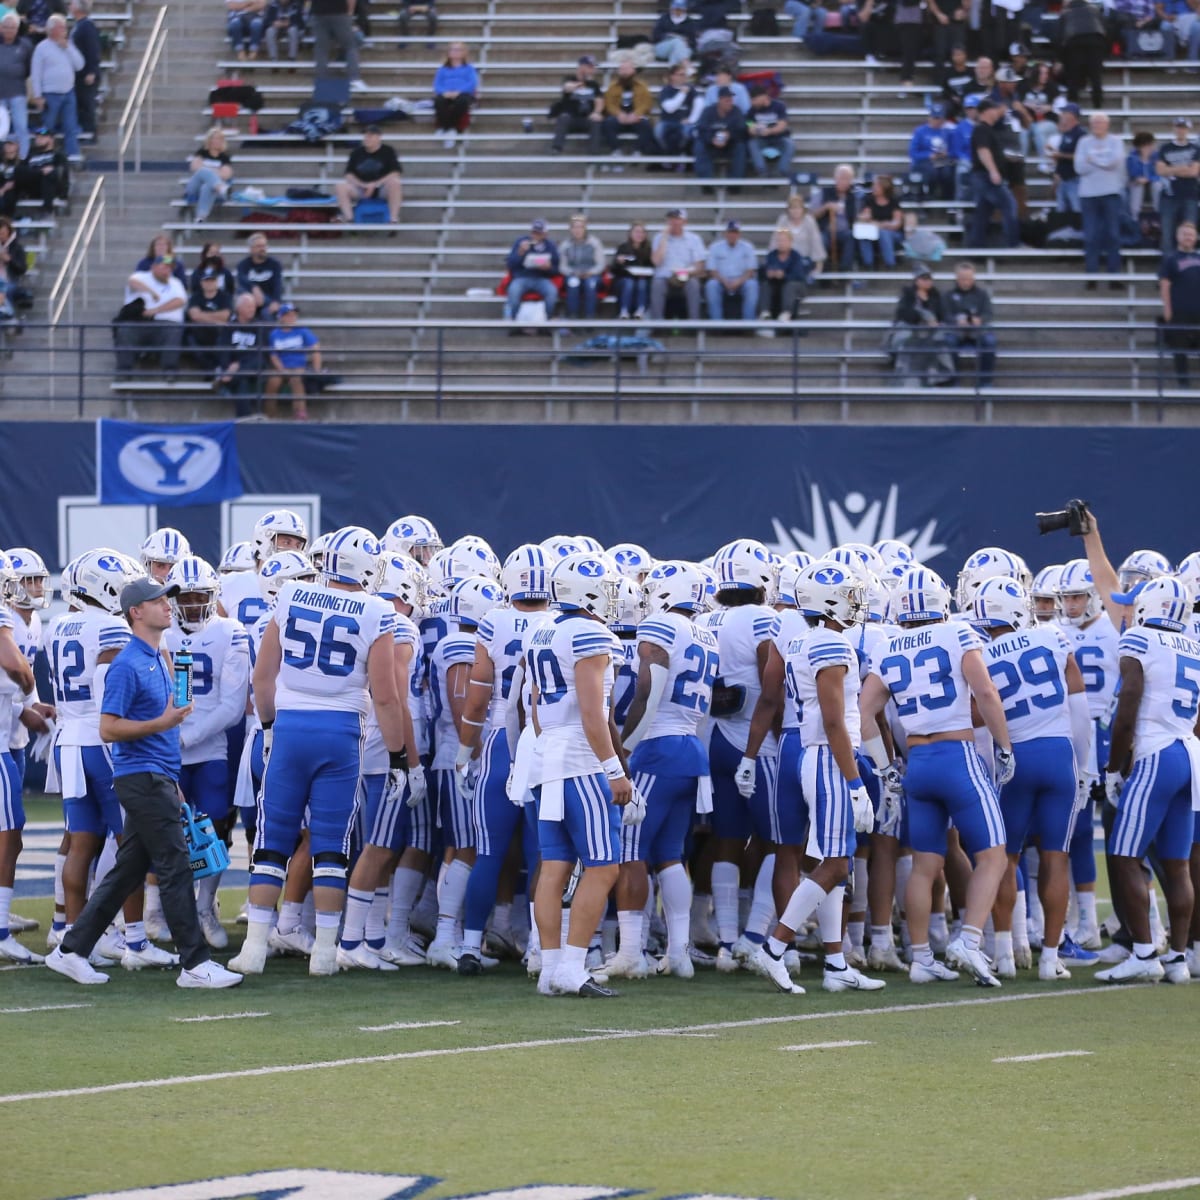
1133	970
362	958
74	967
296	941
1087	935
856	957
250	961
1006	966
883	957
793	962
323	960
1022	955
22	924
681	968
108	950
156	926
54	935
627	966
400	956
974	961
1193	962
208	975
442	954
1050	971
934	972
533	964
726	963
12	951
213	930
1116	953
1175	967
849	979
772	968
744	948
701	958
147	955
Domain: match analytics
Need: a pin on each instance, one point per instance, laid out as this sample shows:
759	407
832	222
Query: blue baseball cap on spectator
1184	121
1073	109
972	101
937	110
284	309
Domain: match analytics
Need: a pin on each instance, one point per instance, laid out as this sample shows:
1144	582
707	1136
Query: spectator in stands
919	339
455	89
732	267
294	354
332	22
210	257
261	275
1012	129
628	104
949	33
212	173
680	105
533	263
52	73
245	23
878	223
158	326
161	246
960	145
1180	21
985	76
1084	43
579	109
721	137
582	258
675	32
679	260
957	82
784	279
908	23
930	157
836	211
44	174
36	16
86	39
1179	289
770	140
372	170
417	8
1037	93
208	312
969	318
806	237
1179	167
1100	164
285	18
1141	174
242	343
988	184
16	54
921	245
10	171
14	262
632	269
1066	178
723	78
874	19
1129	18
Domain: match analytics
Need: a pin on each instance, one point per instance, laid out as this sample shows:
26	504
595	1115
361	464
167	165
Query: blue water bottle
183	677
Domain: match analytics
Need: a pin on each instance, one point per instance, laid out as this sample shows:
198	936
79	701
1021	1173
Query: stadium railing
74	268
140	101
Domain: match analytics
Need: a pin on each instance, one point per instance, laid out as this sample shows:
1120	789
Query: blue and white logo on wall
166	464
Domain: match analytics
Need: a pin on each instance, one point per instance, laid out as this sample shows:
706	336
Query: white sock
375	929
1020	928
153	902
358	905
135	933
406	883
676	890
903	875
535	936
6	895
804	902
427	906
629	923
290	915
1087	910
564	926
1049	954
855	931
1155	919
206	892
608	934
1072	921
858	905
937	925
453	891
701	907
881	935
745	899
573	962
104	864
725	901
762	905
60	894
472	939
258	926
308	913
829	917
1004	943
550	961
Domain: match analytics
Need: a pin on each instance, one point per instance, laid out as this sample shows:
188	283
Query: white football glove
465	777
1114	781
892	808
863	809
268	733
1006	766
634	813
743	778
418	789
1083	793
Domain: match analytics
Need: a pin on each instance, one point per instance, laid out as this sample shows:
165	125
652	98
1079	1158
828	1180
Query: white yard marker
1043	1057
1138	1189
404	1025
219	1017
825	1045
7	1012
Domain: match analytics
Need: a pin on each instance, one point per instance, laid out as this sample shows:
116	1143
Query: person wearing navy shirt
140	720
261	275
532	266
86	38
1179	289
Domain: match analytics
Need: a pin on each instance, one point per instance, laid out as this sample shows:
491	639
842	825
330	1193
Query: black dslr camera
1075	518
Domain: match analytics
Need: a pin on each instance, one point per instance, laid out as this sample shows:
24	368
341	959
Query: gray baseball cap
141	590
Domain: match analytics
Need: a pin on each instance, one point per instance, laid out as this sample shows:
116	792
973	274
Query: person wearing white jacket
1100	165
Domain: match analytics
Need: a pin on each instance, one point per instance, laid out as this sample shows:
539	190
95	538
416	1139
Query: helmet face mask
162	550
589	583
1081	603
277	530
30	588
195	603
832	591
1140	567
414	536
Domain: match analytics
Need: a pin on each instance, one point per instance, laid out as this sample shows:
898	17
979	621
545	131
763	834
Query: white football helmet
920	595
194	577
868	555
354	556
279	522
745	564
675	584
279	569
710	587
590	544
473	598
797	558
471	555
404	579
1001	601
415	536
164	545
316	549
877	598
31	586
8	579
633	561
239	557
1162	603
631	607
1076	580
832	590
66	584
561	545
586	581
788	574
100	575
525	574
988	563
894	550
1139	567
1047	603
1188	573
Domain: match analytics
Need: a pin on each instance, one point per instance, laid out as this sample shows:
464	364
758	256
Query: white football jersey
793	626
326	634
241	599
502	634
1171	691
819	649
375	754
29	642
455	648
1095	650
220	684
693	666
73	643
562	749
739	633
1029	669
922	668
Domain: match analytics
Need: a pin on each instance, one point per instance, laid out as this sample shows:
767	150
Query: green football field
714	1087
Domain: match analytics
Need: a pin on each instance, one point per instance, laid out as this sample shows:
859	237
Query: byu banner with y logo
167	465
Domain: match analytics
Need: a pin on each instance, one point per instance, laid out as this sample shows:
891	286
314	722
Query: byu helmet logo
108	563
272	568
829	575
590	569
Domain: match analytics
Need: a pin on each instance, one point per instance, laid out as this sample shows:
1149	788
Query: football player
633	561
1047	600
161	551
240	595
414	536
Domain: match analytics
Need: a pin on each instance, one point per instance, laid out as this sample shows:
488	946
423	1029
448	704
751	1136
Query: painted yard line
825	1045
539	1043
219	1017
404	1025
8	1012
1043	1057
1138	1189
659	1033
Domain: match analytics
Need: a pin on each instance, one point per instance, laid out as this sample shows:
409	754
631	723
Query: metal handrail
129	127
62	294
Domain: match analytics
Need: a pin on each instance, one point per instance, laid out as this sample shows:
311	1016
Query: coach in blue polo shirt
139	717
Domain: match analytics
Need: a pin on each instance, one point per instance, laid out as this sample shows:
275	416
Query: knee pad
269	866
330	869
